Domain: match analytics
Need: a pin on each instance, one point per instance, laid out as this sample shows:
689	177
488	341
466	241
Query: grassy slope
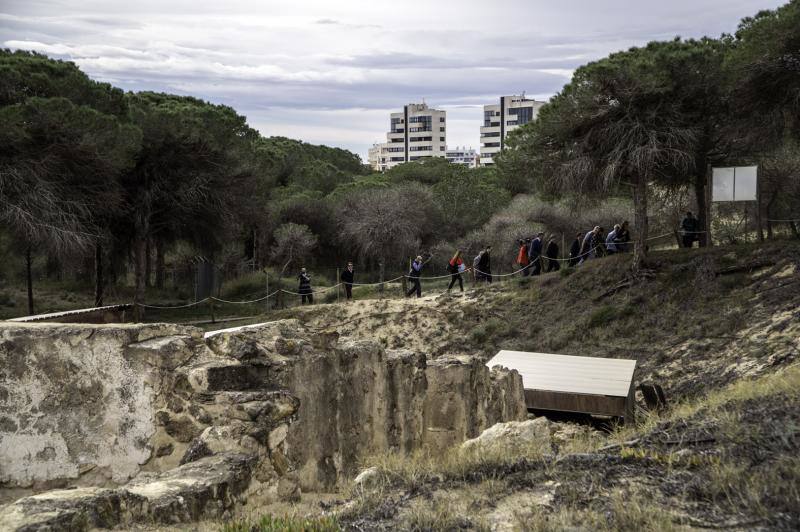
726	460
718	328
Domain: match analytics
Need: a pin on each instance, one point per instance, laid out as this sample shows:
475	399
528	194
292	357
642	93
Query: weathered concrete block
78	399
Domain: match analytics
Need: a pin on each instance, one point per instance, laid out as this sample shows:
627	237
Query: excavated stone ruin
110	425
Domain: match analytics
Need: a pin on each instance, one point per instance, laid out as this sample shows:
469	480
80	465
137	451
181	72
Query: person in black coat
551	252
485	265
623	238
306	294
689	230
599	243
347	278
575	250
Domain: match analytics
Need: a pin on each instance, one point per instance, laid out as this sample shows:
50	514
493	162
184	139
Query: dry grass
455	464
741	492
626	513
783	381
439	514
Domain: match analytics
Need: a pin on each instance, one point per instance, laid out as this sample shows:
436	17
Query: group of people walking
537	254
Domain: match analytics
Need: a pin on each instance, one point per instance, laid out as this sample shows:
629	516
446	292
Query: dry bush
526	215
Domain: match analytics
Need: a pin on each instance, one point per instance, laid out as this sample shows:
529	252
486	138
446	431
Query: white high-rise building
499	119
466	156
376	156
416	132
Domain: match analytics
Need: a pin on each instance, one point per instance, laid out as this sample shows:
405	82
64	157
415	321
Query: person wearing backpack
455	267
413	275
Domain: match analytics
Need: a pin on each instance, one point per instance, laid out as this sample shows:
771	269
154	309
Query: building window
420	139
491	144
441	129
511	123
491	134
441	119
424	118
419	129
399	148
523	114
441	148
420	148
397	140
395	159
441	139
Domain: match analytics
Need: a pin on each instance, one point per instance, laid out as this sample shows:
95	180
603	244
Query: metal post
709	199
759	228
745	222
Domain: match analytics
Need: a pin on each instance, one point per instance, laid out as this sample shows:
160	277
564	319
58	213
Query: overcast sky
330	71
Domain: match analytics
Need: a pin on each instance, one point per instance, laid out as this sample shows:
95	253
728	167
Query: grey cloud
338	63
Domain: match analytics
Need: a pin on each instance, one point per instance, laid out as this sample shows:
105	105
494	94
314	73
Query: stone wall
95	405
153	420
358	399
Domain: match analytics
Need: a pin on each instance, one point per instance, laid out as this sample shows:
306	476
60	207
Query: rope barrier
320	291
244	302
374	284
449	275
171	307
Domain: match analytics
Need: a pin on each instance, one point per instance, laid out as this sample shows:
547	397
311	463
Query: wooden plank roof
571	374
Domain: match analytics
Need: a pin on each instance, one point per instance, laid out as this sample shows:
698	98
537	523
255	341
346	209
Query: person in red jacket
455	267
522	257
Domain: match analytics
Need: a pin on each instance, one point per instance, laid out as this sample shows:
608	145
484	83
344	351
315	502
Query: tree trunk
139	266
98	275
160	267
255	249
770	203
700	186
29	275
148	264
640	220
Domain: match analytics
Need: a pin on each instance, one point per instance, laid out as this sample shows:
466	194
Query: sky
331	71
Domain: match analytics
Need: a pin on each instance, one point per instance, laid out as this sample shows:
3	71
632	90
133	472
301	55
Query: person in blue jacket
413	276
535	254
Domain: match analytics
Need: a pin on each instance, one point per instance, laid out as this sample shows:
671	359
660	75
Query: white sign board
735	183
